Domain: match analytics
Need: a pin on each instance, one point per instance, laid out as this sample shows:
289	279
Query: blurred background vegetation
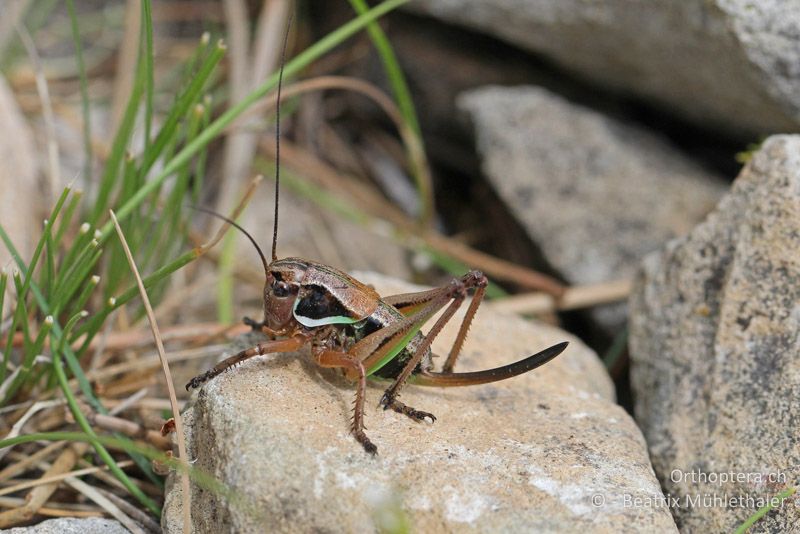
149	108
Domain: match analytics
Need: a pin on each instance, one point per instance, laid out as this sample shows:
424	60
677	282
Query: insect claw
366	443
255	325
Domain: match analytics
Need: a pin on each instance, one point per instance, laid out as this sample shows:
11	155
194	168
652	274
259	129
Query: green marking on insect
399	346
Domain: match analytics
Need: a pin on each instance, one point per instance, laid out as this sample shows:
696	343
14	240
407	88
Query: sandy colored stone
72	525
714	343
527	454
596	195
729	63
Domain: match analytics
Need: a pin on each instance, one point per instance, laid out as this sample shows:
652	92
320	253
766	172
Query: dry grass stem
55	478
141	517
39	495
372	202
129	428
29	461
103	502
412	143
47	113
126	62
251	188
247	69
167	375
575	297
17	428
56	509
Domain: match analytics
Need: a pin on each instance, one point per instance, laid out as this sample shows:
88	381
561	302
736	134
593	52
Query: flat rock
547	451
729	63
73	525
715	351
594	194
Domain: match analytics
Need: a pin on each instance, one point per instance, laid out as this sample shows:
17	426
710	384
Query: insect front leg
282	345
332	358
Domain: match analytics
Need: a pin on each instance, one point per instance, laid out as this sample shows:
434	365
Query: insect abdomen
384	316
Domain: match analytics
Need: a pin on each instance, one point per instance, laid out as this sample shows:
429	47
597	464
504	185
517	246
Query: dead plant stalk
168	377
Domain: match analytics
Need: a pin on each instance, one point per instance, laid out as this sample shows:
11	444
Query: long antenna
236	225
278	140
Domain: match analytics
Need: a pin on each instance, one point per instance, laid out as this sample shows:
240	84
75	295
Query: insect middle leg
337	359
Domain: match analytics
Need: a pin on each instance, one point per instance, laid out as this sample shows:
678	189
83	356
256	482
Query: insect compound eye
280	289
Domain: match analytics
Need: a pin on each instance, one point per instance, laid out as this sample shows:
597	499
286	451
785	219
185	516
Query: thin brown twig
575	297
29	461
55	509
126	63
181	437
140	516
151	361
47	112
39	495
70	478
405	229
125	426
30	412
155	404
103	502
412	143
59	477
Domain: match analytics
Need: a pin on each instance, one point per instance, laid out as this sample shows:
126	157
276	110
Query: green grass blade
48	273
312	53
109	177
66	217
147	59
56	335
91	326
31	351
84	84
405	103
73	283
189	97
761	512
394	73
6	355
98	447
84	295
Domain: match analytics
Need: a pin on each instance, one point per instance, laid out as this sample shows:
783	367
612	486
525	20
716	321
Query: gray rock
594	194
527	454
735	63
714	341
73	525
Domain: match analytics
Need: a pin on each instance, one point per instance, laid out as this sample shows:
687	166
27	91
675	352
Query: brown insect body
350	327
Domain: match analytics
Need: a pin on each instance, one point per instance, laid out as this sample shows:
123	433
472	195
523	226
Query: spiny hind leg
479	281
337	359
455	292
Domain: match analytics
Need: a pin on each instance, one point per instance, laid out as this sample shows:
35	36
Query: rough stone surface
73	525
527	454
731	62
594	194
714	341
